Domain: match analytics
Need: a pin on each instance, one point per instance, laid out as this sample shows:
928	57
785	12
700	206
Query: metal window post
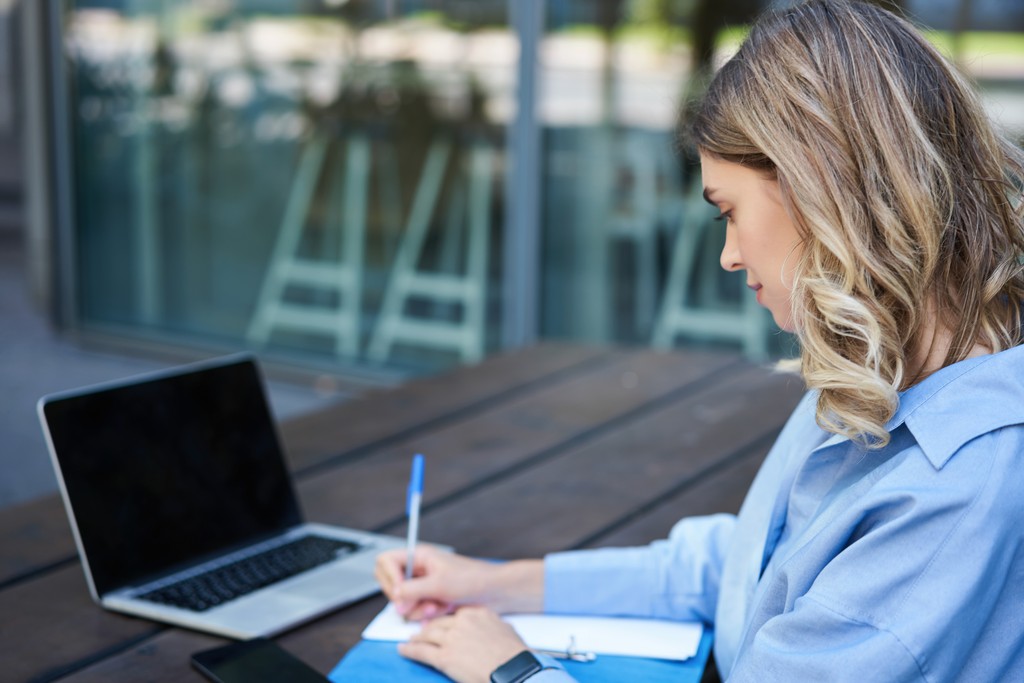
521	277
60	164
48	238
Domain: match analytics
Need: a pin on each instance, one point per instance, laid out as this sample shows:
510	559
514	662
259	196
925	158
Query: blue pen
412	509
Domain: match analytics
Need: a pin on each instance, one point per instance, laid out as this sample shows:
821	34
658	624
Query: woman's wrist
517	586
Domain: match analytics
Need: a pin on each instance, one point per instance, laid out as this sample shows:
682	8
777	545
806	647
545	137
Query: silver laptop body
180	473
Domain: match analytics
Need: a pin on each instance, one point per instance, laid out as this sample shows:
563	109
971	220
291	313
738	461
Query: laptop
183	510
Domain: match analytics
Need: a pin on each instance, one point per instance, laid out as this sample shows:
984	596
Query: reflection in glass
313	178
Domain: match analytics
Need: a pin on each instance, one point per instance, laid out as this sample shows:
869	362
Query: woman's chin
784	320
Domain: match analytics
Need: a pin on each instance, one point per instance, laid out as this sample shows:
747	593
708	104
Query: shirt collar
963	401
941	420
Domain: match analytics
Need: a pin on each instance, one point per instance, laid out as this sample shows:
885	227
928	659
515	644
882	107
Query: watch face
517	669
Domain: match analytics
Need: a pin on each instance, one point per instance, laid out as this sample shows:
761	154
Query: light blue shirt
847	564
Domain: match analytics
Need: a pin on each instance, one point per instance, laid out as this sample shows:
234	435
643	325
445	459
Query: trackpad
339	583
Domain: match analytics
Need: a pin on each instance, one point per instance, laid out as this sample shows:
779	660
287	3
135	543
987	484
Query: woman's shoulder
974	406
956	438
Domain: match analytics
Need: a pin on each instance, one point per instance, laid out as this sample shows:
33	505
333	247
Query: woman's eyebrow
707	196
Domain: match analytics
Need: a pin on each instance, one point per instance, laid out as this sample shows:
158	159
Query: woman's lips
757	290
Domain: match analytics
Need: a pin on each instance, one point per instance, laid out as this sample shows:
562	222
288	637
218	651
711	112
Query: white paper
653	638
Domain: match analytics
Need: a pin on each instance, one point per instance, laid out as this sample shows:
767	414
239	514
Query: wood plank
51	622
33	536
165	657
60	632
563	501
369	493
720	491
393	414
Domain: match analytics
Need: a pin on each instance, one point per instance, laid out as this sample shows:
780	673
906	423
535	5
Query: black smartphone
254	661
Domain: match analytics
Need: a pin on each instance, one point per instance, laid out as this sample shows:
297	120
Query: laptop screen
167	470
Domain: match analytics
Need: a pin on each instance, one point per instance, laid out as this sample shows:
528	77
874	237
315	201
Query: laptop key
217	586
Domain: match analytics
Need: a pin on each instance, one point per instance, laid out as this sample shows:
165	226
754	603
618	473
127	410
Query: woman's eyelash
724	216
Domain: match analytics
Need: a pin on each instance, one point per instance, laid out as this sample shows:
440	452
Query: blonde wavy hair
908	201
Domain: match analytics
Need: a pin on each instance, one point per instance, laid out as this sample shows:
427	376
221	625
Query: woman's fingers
465	646
441	581
389	571
433	631
427	610
426	646
421	651
418	598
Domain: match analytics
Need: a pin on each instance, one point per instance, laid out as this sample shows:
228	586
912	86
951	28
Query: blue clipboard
379	661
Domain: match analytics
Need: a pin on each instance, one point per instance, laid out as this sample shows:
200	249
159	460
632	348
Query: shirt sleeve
552	671
815	643
677	578
552	676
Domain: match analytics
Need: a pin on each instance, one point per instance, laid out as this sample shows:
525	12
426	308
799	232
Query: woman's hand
443	581
466	646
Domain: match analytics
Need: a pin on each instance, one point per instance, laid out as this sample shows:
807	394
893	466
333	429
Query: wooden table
553	447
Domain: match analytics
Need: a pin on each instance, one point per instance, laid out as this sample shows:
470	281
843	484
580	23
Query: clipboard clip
570	653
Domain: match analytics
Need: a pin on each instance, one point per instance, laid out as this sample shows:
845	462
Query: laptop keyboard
217	586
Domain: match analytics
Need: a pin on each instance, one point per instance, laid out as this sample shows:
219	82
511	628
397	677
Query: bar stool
469	206
339	281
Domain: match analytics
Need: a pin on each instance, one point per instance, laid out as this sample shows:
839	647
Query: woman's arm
443	581
677	578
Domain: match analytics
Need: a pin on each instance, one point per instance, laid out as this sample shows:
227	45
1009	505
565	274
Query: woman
879	217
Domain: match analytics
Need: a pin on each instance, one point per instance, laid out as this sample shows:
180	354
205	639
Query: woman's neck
933	350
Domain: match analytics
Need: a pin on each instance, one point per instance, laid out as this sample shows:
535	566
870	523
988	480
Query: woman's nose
730	258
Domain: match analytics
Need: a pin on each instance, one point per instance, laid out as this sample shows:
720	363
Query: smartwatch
517	669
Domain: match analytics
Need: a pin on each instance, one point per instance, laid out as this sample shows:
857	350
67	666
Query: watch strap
517	669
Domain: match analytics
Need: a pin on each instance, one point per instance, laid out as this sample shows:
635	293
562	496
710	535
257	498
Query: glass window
320	179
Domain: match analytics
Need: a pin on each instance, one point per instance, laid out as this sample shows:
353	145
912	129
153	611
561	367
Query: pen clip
570	653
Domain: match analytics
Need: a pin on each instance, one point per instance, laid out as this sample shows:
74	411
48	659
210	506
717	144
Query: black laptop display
181	473
146	468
